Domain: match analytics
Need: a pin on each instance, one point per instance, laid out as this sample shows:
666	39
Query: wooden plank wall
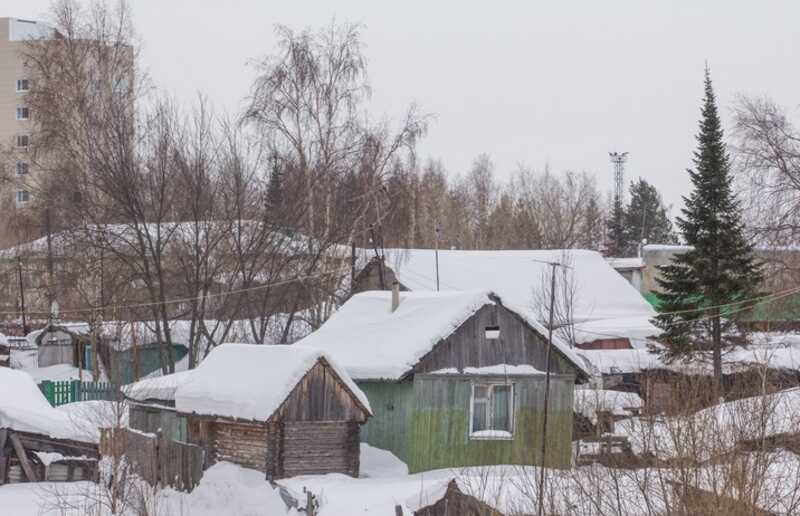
319	448
239	442
321	396
469	347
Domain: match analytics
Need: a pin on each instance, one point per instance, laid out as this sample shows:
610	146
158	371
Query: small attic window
492	332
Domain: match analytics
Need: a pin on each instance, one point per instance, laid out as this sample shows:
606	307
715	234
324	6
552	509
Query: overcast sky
529	82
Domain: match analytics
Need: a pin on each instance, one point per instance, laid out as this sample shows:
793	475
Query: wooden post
3	457
23	458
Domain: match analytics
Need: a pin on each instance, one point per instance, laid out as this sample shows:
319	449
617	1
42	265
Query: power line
182	300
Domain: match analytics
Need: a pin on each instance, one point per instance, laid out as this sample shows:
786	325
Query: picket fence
70	391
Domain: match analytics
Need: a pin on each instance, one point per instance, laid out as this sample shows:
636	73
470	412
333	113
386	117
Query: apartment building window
23	140
23	85
23	196
23	113
22	168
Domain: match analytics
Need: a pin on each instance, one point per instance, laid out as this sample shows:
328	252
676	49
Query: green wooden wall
439	426
426	423
392	404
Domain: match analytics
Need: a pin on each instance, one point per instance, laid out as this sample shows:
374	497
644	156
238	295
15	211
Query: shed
283	410
464	333
152	405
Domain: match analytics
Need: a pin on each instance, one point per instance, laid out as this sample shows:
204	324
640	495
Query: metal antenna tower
618	160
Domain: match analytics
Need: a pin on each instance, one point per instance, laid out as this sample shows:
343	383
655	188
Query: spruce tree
615	242
719	268
645	218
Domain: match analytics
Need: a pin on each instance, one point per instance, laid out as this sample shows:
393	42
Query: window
22	168
23	140
23	196
23	85
492	411
23	113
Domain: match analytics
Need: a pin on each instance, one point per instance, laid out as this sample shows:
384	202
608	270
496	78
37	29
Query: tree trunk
717	342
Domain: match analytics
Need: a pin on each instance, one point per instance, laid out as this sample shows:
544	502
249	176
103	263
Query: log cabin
283	410
454	378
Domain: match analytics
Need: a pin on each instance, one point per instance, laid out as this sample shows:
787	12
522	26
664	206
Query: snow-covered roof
770	350
605	304
247	381
626	263
374	343
588	402
24	408
161	388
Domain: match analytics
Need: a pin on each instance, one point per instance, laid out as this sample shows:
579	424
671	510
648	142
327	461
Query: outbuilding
284	410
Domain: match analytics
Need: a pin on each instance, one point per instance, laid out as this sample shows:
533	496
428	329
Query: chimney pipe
395	295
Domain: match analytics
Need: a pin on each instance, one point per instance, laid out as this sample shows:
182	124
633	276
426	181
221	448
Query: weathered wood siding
321	396
241	443
316	448
389	426
439	436
148	418
469	347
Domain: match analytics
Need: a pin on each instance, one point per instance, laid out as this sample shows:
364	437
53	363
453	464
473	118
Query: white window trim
19	81
18	113
23	136
512	420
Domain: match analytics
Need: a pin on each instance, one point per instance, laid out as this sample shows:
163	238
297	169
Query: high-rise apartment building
16	119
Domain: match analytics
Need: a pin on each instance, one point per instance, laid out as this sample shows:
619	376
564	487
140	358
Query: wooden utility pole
438	231
22	296
542	469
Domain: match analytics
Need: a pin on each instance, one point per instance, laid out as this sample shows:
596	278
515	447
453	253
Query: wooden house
670	388
283	410
454	378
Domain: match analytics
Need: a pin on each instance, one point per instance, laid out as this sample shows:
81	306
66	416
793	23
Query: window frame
23	109
23	82
23	168
26	138
22	193
490	385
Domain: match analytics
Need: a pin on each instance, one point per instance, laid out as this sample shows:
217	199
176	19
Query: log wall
320	448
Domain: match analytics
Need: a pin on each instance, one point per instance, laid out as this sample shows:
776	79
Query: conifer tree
645	218
615	242
719	268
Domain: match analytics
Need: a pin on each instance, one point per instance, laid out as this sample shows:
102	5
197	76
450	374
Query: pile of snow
379	463
716	430
25	409
160	388
588	402
374	343
251	382
605	304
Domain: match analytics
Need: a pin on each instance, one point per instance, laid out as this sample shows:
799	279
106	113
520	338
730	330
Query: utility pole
22	296
553	266
438	231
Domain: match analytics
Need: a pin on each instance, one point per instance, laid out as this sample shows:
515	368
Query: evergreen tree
719	269
616	230
645	218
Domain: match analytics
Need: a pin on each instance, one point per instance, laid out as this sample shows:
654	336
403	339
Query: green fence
61	393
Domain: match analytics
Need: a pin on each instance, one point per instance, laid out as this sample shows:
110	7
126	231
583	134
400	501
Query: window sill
491	435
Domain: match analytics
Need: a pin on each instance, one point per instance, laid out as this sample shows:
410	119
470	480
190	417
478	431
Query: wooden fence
157	459
61	393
